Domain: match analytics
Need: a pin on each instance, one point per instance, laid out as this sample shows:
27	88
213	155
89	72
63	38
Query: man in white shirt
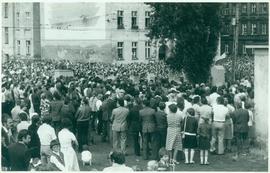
24	124
16	111
46	134
118	163
220	112
213	97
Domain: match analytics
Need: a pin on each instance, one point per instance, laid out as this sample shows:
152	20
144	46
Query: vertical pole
236	33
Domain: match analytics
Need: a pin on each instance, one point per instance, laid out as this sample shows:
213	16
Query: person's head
18	102
220	100
191	112
204	101
163	154
47	119
35	119
180	103
213	89
24	136
85	147
23	116
121	102
146	102
66	123
66	100
55	145
56	95
173	108
152	165
84	101
162	105
196	99
238	105
7	121
117	157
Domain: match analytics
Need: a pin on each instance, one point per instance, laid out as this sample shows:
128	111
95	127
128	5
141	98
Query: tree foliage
195	29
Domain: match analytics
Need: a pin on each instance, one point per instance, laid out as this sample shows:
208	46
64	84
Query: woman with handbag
174	140
190	126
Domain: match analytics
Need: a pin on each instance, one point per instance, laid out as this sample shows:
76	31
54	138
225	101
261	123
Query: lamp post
235	22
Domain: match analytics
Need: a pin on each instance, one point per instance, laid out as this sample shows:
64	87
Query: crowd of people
47	121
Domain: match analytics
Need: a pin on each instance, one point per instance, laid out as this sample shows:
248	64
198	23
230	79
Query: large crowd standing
47	121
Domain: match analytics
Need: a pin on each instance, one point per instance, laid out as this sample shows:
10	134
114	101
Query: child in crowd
86	155
189	127
152	165
164	162
204	132
57	157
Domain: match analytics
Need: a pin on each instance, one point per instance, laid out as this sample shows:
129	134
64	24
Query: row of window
254	29
18	47
27	13
254	8
244	49
134	19
134	50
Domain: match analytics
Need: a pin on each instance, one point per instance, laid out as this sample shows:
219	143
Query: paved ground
217	163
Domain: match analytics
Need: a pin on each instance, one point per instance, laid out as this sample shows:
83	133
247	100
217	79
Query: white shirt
205	111
98	104
213	98
46	134
23	125
220	112
117	167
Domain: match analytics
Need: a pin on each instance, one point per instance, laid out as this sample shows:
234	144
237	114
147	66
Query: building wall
8	22
259	18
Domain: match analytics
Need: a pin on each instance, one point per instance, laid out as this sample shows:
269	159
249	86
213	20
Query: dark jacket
107	107
19	156
161	119
134	122
240	119
83	113
147	116
55	107
191	124
34	144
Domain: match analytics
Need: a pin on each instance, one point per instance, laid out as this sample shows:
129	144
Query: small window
120	24
6	10
120	50
244	29
147	19
264	29
134	20
253	8
18	47
147	49
264	8
134	51
28	47
253	29
6	35
244	8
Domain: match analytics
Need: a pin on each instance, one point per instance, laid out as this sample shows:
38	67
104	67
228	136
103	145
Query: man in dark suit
19	154
119	126
161	119
147	116
240	119
107	106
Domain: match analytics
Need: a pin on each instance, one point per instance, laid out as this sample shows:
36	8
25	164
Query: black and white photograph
134	86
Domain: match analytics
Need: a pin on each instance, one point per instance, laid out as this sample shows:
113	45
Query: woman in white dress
66	138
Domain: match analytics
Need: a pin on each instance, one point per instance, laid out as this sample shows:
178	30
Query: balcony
120	26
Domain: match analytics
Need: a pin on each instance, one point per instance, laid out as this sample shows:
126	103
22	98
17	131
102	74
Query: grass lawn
225	162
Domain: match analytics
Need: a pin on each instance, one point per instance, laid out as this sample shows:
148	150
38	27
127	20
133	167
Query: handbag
183	133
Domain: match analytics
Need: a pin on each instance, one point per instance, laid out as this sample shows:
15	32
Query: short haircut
121	102
146	102
162	105
47	119
85	101
204	100
35	119
118	157
173	108
22	134
220	100
23	116
66	123
191	111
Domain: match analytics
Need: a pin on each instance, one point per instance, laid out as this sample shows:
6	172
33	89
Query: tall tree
195	28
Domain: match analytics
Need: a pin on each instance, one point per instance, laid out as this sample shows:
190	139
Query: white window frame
134	50
120	14
120	46
244	29
147	49
253	29
134	16
253	8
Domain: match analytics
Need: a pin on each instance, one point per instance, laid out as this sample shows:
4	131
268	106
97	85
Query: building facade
21	33
253	26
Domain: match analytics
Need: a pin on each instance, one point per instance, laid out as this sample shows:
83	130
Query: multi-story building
252	26
21	31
